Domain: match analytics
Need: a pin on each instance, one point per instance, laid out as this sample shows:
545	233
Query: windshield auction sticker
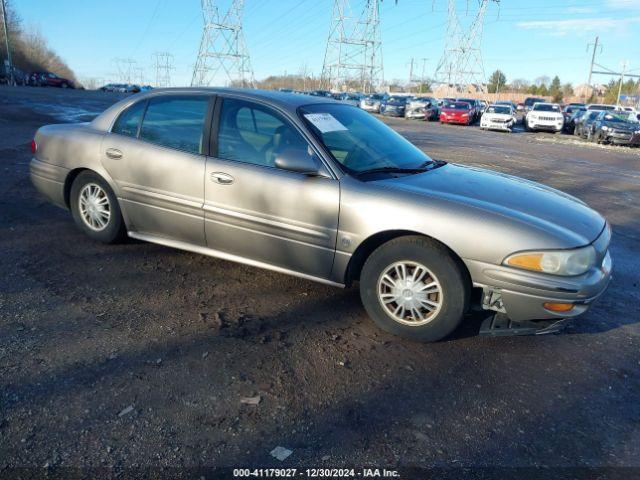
325	122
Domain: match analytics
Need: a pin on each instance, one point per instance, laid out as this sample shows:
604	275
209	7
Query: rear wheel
412	287
95	208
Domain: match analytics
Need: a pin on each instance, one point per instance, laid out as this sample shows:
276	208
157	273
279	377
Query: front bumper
456	120
524	293
547	126
370	108
622	138
505	126
392	112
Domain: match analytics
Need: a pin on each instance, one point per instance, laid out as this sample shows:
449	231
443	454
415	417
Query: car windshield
499	109
546	107
396	100
459	106
619	117
360	142
530	101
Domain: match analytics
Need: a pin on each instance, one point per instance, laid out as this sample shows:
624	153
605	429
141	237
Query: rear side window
129	120
176	122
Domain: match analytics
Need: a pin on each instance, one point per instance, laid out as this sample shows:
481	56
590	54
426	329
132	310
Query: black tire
115	230
436	258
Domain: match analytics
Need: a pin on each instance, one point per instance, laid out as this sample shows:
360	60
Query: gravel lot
139	356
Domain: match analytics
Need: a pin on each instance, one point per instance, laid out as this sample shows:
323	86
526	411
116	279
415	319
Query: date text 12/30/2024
315	473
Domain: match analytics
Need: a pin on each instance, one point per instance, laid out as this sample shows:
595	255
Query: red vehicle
48	79
457	112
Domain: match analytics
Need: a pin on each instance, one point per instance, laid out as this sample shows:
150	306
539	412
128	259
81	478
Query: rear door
156	154
259	212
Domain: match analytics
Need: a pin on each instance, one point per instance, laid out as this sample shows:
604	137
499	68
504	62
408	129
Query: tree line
30	51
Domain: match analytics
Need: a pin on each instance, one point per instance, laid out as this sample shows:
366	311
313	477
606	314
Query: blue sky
524	38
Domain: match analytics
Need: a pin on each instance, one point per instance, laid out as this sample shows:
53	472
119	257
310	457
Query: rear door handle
221	178
114	153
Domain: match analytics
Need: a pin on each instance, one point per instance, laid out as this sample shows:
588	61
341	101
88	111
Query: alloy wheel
94	207
410	293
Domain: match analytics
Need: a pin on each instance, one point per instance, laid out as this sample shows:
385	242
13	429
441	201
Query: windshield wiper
425	167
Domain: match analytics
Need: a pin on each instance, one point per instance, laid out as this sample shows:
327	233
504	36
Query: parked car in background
371	103
422	108
570	109
513	105
457	112
520	107
616	128
320	93
584	124
48	79
530	101
350	98
600	106
475	107
570	122
394	106
354	202
498	117
544	116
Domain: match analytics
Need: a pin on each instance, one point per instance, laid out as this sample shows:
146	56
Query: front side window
360	142
129	120
254	134
176	122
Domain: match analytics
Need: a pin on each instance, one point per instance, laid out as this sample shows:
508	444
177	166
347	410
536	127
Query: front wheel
95	208
412	287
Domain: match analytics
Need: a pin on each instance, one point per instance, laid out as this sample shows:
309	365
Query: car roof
286	101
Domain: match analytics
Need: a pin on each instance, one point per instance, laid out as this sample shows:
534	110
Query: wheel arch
73	174
371	243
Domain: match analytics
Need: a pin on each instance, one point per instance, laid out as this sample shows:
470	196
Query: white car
498	117
601	106
371	103
544	116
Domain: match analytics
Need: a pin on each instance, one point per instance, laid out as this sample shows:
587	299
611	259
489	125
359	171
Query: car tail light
34	146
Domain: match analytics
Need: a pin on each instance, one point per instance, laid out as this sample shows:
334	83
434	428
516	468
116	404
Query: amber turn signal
558	307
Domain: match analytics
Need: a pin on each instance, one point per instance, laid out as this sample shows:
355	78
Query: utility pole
593	59
424	62
625	64
6	40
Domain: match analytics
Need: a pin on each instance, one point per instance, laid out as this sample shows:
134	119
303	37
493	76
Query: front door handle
114	153
221	178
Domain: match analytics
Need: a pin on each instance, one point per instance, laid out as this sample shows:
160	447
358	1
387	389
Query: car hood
453	111
498	116
539	206
630	127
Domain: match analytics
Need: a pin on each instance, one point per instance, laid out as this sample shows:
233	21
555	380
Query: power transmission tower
126	68
461	64
163	63
353	57
223	56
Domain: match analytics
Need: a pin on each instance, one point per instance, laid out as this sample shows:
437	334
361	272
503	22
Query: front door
259	212
155	154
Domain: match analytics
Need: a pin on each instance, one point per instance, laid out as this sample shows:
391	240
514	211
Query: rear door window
176	122
129	120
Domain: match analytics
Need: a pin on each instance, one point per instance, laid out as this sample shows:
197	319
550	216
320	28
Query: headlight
555	262
605	128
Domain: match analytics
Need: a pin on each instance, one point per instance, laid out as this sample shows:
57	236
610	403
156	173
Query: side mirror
298	160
